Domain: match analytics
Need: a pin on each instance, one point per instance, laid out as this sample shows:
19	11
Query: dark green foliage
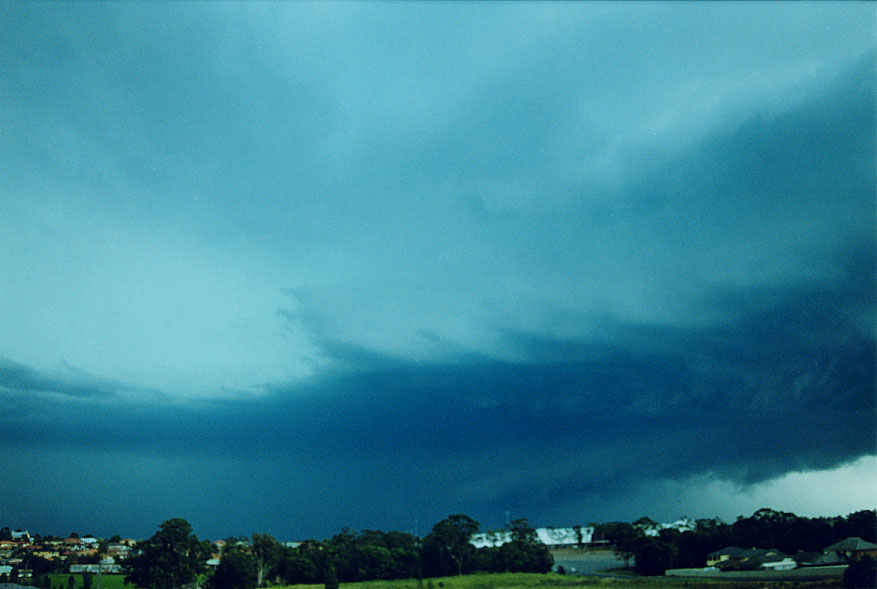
449	541
435	561
331	581
862	573
236	570
170	559
373	554
864	525
43	566
653	557
296	568
766	528
525	553
173	557
266	553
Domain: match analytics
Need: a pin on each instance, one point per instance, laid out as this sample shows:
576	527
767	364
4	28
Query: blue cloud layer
279	264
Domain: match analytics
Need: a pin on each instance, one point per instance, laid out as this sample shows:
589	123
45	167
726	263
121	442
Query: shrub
861	573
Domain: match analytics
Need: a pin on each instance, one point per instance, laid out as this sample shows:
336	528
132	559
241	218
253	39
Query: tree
864	524
236	570
653	557
170	559
452	536
102	548
296	568
525	553
331	581
266	554
580	539
622	536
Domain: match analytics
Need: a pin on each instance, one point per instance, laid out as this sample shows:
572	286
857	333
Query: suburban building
734	557
683	524
551	537
852	549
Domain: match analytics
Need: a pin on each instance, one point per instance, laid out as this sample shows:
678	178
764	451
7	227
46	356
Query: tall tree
102	548
266	554
170	559
452	535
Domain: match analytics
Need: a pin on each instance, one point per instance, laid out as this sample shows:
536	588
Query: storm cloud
297	267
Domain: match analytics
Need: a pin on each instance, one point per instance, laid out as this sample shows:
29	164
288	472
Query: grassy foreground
509	581
106	581
537	581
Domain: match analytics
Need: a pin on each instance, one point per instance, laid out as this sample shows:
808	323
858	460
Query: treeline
174	557
766	528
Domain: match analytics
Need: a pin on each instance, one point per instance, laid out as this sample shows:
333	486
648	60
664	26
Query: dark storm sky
289	267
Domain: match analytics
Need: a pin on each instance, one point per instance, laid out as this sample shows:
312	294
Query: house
852	549
565	537
118	550
490	539
551	537
72	543
94	569
680	525
784	564
726	554
736	558
47	554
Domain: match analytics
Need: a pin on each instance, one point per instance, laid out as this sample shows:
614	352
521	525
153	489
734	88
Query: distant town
767	544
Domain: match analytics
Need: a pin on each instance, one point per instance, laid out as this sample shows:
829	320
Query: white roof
547	536
563	536
489	539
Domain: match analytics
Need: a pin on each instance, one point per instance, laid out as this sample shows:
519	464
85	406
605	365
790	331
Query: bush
653	557
236	570
862	573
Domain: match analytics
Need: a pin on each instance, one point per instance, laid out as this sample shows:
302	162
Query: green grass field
106	581
503	581
537	581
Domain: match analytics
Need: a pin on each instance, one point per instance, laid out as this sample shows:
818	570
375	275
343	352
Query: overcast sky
289	267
